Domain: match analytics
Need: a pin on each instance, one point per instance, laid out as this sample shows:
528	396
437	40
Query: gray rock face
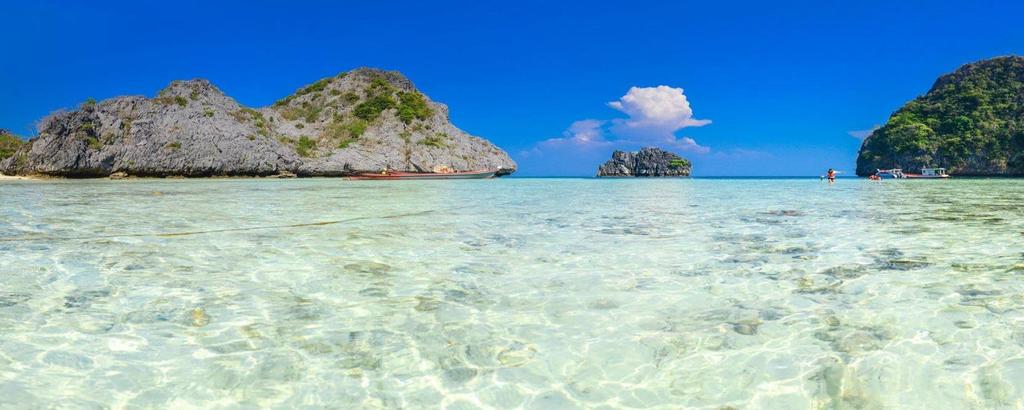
648	162
364	120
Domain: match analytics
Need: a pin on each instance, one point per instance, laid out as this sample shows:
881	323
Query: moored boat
396	175
894	173
930	173
926	173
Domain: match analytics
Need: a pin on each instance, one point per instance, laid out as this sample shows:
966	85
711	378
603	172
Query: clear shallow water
540	293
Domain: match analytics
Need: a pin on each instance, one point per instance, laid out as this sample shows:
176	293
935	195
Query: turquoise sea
535	293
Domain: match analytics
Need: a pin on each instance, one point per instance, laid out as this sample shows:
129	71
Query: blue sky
782	83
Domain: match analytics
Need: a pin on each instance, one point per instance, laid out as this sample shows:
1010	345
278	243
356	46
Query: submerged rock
198	317
363	120
648	162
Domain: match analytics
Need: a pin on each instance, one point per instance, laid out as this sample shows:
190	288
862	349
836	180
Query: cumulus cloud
862	134
655	115
585	132
580	134
661	107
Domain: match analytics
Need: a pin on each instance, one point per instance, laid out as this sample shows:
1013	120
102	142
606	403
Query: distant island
971	122
358	121
648	162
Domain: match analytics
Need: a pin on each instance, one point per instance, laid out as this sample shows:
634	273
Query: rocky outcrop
648	162
363	120
970	122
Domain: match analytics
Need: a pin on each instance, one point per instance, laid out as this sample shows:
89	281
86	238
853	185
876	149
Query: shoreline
44	177
17	178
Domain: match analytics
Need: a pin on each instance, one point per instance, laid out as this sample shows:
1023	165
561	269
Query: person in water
831	175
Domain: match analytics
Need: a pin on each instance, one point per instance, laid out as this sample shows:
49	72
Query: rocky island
970	122
648	162
358	121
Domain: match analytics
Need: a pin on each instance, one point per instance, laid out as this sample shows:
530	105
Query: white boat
926	173
894	173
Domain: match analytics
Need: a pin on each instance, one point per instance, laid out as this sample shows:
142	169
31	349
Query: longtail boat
395	175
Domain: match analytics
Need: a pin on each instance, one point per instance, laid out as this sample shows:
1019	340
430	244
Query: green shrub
93	142
351	97
304	146
412	106
437	140
174	145
371	109
181	101
255	115
208	113
356	128
379	84
247	114
677	163
334	92
300	126
126	125
291	113
345	132
316	87
284	101
312	113
307	112
9	143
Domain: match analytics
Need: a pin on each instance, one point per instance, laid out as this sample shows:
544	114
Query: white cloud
660	107
582	134
655	115
862	134
585	131
687	144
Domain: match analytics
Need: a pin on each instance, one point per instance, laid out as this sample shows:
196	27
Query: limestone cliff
648	162
363	120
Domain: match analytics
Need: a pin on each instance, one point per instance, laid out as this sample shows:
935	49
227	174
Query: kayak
392	175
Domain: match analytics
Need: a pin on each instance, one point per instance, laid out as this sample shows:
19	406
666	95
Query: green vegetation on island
971	122
358	121
9	143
